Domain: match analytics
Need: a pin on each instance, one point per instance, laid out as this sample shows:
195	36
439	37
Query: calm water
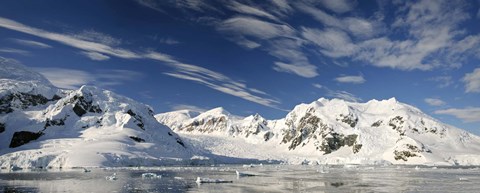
270	178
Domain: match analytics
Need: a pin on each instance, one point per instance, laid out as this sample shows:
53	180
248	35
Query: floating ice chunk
151	176
112	177
463	179
177	178
417	168
209	180
244	174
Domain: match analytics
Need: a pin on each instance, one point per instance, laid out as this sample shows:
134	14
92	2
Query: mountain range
42	126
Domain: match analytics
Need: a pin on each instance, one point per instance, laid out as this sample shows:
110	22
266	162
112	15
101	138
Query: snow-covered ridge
42	126
337	132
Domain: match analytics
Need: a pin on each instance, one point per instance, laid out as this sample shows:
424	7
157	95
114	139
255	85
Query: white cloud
351	79
468	115
333	43
249	10
73	79
66	78
317	85
282	5
280	40
249	26
14	51
95	36
444	81
31	43
307	71
188	107
69	40
96	56
339	6
434	36
194	73
358	27
435	102
343	95
169	41
152	4
472	81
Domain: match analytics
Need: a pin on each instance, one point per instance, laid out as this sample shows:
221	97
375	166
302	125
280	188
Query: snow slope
333	132
42	126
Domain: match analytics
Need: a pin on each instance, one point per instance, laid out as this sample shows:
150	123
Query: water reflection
270	178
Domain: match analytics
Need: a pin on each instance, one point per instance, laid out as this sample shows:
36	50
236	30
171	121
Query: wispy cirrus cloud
468	115
68	78
350	79
193	108
14	51
472	81
434	102
339	6
95	56
209	78
31	43
279	40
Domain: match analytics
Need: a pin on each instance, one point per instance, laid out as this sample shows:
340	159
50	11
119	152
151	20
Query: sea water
267	178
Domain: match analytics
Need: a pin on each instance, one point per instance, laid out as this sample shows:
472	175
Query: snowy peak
13	70
41	126
337	131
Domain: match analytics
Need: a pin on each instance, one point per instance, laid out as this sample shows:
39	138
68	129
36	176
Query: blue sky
256	56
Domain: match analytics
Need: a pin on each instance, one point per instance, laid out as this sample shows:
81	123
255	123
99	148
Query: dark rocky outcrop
397	124
308	127
268	136
138	119
82	105
22	101
137	139
2	127
377	123
54	122
349	119
207	125
335	141
23	137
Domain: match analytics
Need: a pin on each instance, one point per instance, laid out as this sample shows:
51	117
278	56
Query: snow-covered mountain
333	132
42	126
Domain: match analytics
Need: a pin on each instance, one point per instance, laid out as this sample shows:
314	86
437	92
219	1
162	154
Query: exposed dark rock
22	101
335	141
2	127
179	141
397	124
307	128
207	125
169	133
411	151
356	148
403	155
82	105
377	123
349	119
137	139
138	119
268	136
23	137
54	122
